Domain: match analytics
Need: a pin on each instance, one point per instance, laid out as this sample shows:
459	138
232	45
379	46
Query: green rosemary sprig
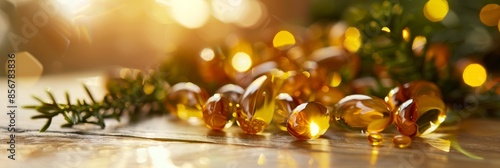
134	93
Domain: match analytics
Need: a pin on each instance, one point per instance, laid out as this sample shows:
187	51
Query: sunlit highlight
207	54
283	38
313	129
436	10
241	62
190	13
474	75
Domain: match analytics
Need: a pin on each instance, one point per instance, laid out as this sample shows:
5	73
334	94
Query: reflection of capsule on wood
284	106
363	112
308	121
186	101
402	93
257	105
420	115
219	112
401	141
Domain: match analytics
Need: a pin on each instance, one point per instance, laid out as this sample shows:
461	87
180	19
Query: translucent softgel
219	112
420	115
186	101
308	121
284	106
361	112
257	105
402	93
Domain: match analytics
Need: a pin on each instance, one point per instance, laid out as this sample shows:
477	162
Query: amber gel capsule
401	141
186	101
402	93
308	121
257	105
218	112
375	139
284	106
420	115
362	112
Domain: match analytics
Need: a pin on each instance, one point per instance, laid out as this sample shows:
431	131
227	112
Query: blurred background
357	46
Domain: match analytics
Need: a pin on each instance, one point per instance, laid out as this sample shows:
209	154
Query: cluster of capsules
293	102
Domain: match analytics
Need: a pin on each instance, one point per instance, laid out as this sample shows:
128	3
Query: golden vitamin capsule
231	91
186	101
257	105
363	112
402	93
375	139
401	141
218	112
308	121
420	115
284	106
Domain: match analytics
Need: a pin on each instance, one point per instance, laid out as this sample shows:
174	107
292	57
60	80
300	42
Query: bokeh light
190	13
207	54
490	14
436	10
241	62
418	44
406	34
474	75
353	39
283	39
386	29
253	14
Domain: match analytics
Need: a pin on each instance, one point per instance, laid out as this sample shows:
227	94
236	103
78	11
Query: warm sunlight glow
241	62
190	13
283	38
207	54
474	75
436	10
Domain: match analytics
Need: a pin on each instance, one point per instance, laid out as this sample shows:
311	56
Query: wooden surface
164	142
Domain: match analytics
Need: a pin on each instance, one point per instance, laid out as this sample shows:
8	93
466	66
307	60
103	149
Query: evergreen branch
125	95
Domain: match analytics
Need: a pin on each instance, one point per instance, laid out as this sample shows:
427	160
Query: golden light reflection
190	13
313	129
353	39
374	158
262	160
406	34
490	14
160	157
456	146
207	54
474	75
283	38
241	62
436	10
386	29
336	79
